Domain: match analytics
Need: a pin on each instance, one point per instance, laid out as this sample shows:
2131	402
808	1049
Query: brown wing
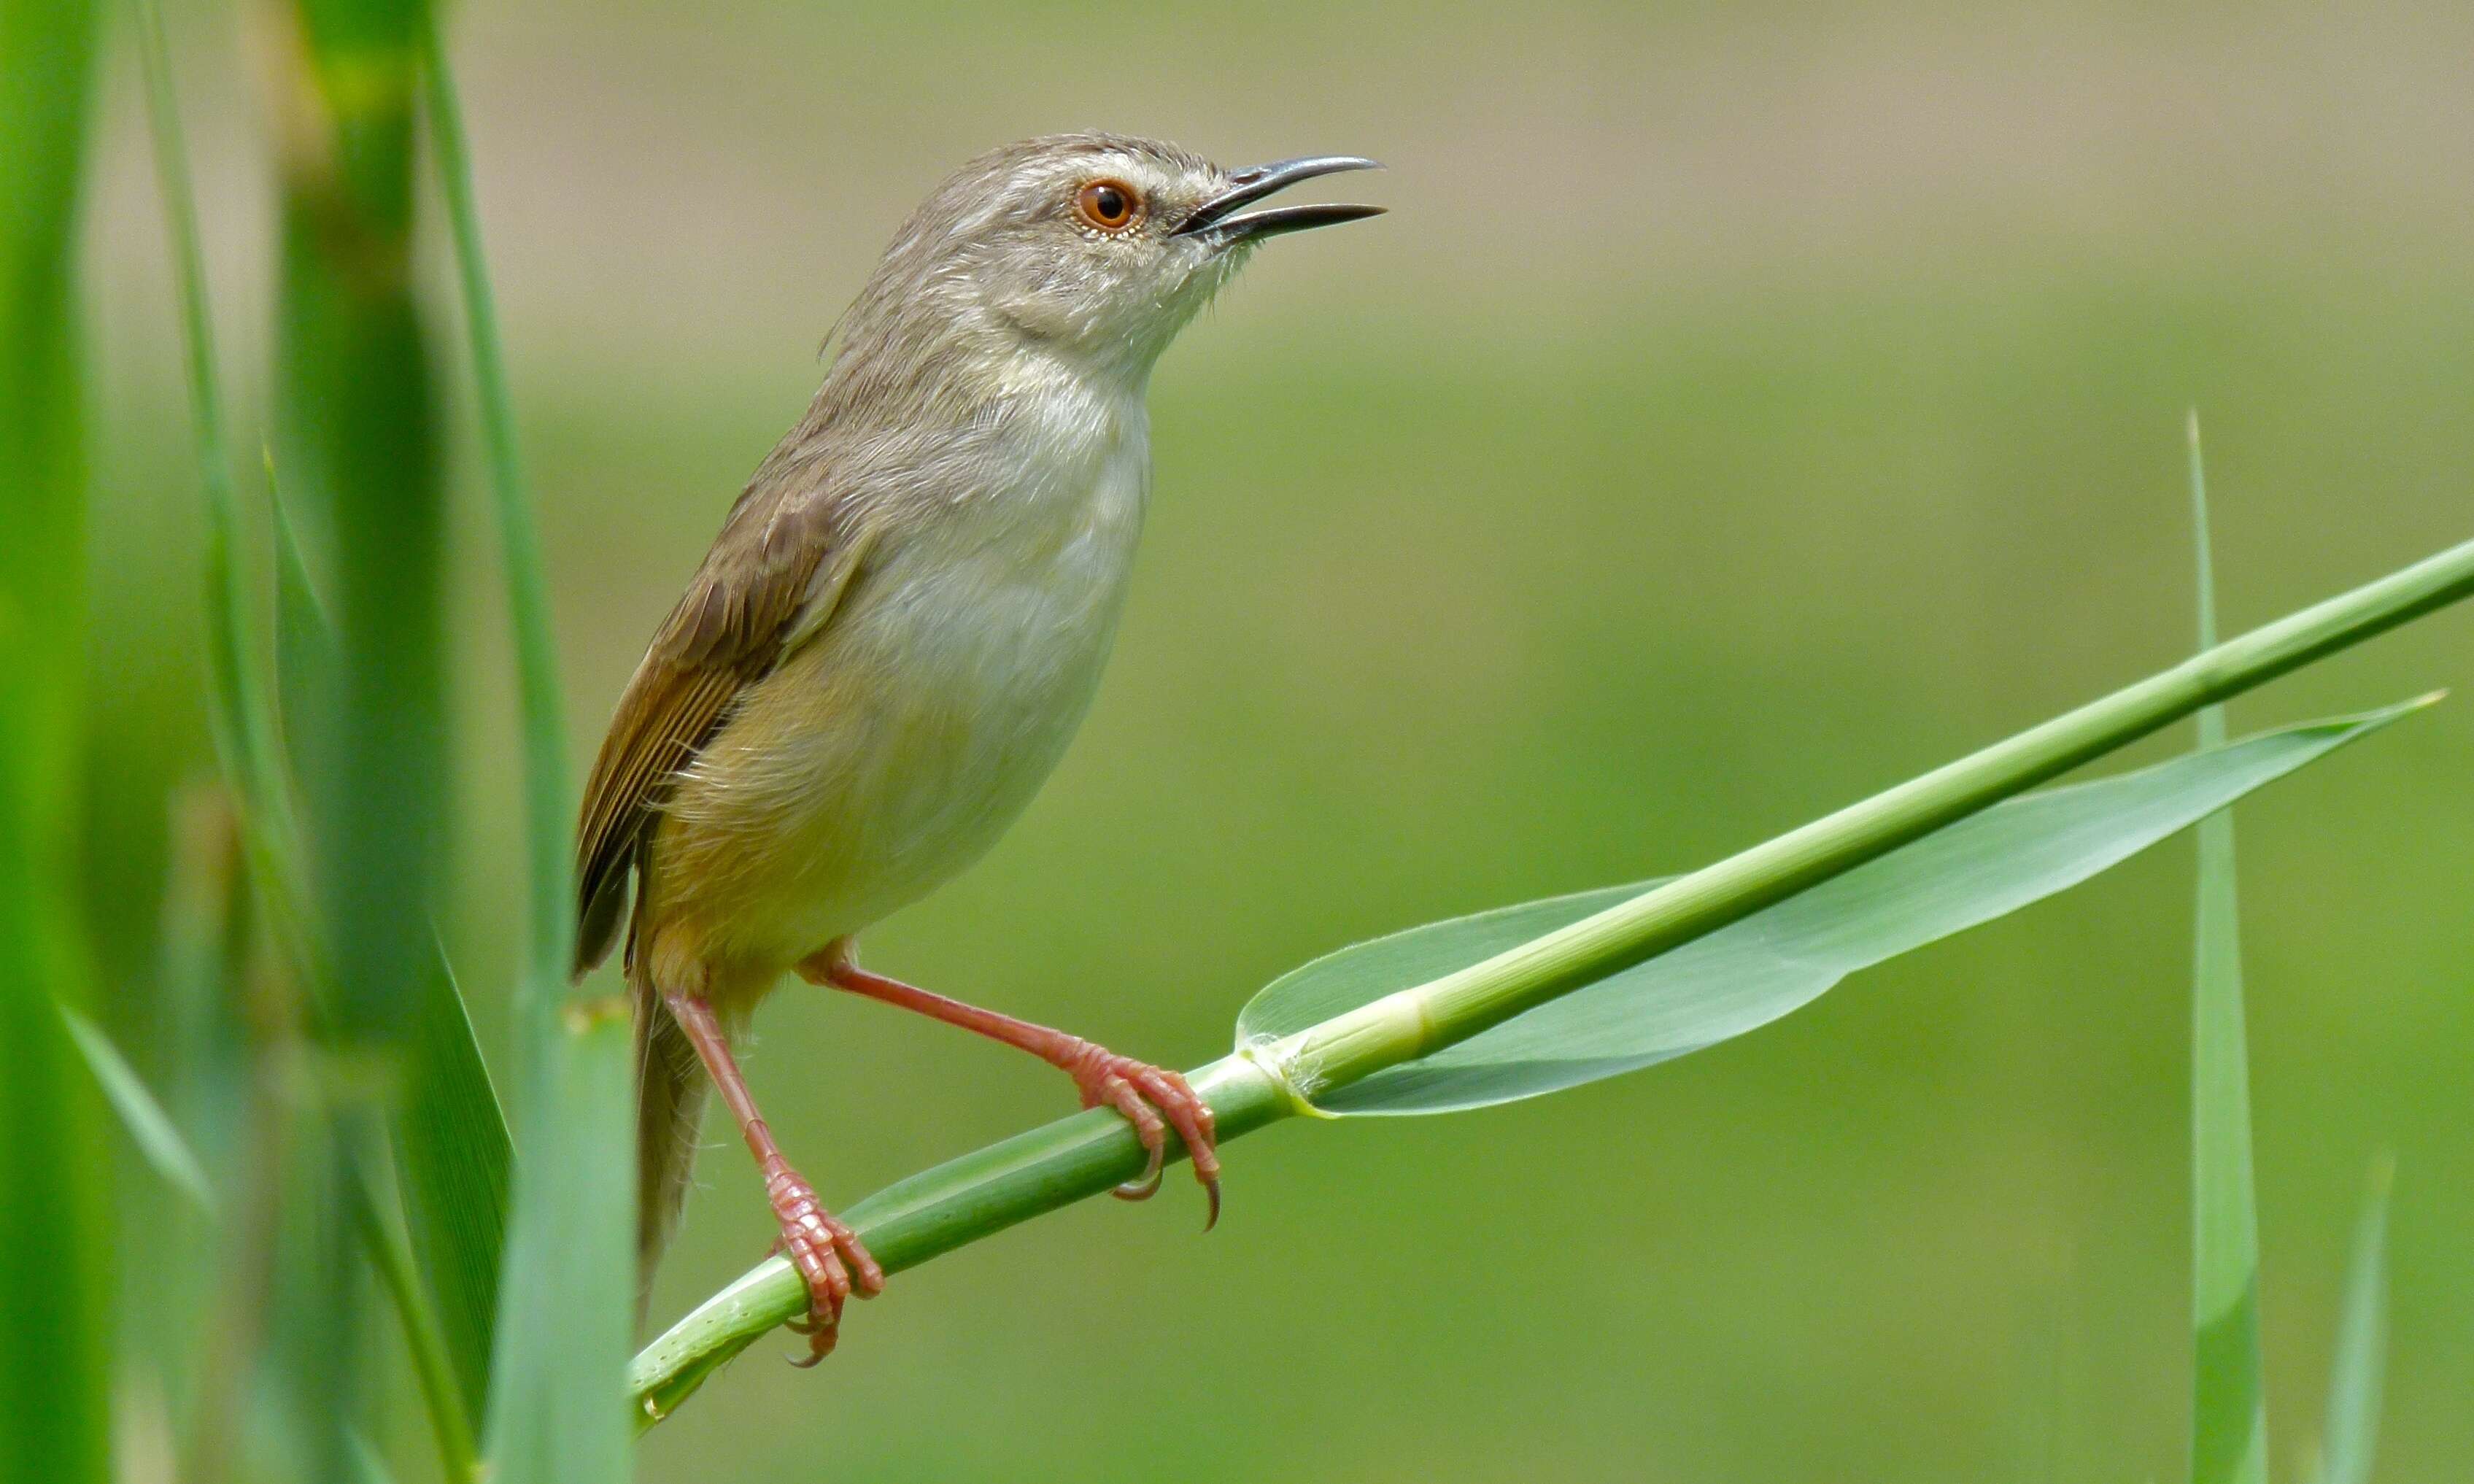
772	579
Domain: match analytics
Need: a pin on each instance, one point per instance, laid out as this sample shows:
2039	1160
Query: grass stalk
2228	1387
2355	1379
547	809
55	1167
241	713
971	1198
570	1274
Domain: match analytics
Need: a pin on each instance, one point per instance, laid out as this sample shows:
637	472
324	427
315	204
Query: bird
895	634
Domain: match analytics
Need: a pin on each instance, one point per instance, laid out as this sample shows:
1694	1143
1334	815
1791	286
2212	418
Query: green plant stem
937	1210
56	1273
2228	1388
1414	1022
970	1197
569	1266
545	730
240	713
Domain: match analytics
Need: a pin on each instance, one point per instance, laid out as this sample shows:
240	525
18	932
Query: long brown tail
669	1105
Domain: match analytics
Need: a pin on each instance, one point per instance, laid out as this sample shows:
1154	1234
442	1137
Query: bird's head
1090	247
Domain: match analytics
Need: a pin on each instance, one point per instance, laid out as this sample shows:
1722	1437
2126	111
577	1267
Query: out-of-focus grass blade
371	1464
149	1127
55	1305
355	416
548	813
2361	1344
558	1410
304	635
1751	973
241	712
452	1159
557	1407
432	1368
206	1066
2228	1389
355	441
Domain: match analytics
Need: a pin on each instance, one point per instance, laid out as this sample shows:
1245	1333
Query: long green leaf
354	414
242	712
356	442
150	1128
571	1265
2228	1387
452	1158
566	1311
55	1305
547	809
451	1137
1776	960
2362	1343
432	1368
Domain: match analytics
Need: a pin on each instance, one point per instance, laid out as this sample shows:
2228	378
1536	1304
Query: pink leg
1153	1099
816	1242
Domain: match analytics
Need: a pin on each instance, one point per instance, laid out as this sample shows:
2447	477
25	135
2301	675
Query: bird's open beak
1212	218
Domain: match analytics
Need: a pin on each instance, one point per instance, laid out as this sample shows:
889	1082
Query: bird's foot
830	1259
1149	1097
1153	1099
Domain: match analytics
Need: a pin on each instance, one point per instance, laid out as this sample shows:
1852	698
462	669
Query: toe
1123	1096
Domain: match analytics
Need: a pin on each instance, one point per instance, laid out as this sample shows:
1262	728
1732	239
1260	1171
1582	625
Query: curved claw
831	1260
1153	1101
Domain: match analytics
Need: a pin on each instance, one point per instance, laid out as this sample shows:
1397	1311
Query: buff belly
894	748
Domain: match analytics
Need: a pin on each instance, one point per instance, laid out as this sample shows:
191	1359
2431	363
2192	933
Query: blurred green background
1744	408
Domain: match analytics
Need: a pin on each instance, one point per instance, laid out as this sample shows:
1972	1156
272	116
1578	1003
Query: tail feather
669	1105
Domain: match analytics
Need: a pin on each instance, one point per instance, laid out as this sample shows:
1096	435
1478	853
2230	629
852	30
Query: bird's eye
1110	206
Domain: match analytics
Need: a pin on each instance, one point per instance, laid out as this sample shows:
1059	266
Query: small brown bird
896	634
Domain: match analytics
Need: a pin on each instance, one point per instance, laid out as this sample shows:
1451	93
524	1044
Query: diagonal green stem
967	1198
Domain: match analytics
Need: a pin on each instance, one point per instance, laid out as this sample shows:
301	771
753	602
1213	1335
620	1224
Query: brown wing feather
756	593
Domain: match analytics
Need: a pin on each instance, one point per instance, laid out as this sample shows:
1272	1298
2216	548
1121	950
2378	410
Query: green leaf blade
2354	1381
452	1159
1777	960
55	1283
557	1413
2228	1387
150	1128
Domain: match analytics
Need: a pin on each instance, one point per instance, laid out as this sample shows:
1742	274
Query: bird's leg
829	1255
1153	1099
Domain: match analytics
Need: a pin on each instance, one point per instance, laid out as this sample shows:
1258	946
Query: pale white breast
962	668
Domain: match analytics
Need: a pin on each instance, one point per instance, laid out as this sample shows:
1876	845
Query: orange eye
1107	205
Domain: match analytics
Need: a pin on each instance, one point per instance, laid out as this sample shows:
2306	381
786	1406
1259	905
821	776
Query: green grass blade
548	813
1777	960
369	1463
356	442
432	1368
150	1128
2354	1382
567	1309
571	1265
304	631
55	1298
354	413
451	1162
241	711
2229	1396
